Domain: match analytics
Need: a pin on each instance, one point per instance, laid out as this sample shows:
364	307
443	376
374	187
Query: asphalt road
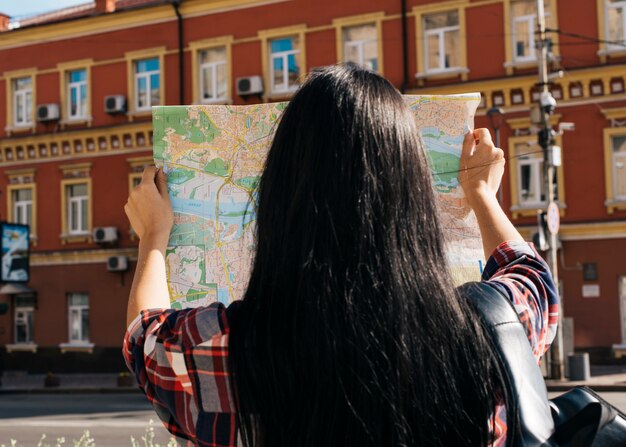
110	418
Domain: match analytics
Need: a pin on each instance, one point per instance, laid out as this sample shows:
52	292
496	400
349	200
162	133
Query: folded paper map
214	156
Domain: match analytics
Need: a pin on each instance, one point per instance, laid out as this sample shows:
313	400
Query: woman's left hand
148	207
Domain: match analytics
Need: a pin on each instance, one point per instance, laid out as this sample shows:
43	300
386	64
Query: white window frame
76	85
441	33
20	207
531	19
284	55
607	6
618	157
359	44
80	202
213	67
147	75
25	96
24	320
536	166
78	309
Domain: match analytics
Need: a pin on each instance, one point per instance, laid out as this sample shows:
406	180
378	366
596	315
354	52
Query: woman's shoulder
212	320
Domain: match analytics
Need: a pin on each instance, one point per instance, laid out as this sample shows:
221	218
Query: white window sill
137	113
617	204
220	101
75	237
280	94
76	347
442	73
77	120
140	112
530	209
22	347
522	63
612	52
527	63
535	206
20	128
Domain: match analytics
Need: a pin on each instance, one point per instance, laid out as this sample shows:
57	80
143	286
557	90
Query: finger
468	144
148	175
161	183
482	135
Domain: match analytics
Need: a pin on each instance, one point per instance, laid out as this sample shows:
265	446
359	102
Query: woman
350	332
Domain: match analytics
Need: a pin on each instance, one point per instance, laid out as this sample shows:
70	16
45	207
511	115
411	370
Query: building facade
75	132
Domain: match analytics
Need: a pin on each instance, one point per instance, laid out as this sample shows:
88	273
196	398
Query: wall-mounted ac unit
249	85
47	112
117	264
105	234
115	104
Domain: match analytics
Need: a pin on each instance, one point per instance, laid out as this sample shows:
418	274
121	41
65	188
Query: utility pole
551	159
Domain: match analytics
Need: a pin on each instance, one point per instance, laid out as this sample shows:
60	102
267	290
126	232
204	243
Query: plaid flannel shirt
180	357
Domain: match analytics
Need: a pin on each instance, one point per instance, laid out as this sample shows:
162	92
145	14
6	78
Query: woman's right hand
148	208
481	167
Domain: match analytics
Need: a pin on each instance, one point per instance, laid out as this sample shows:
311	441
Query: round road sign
553	218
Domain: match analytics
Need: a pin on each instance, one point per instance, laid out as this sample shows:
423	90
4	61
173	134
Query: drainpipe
405	51
181	54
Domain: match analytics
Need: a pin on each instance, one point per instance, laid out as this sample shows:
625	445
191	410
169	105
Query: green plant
147	440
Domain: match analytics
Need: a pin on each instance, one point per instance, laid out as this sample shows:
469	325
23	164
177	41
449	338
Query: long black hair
350	332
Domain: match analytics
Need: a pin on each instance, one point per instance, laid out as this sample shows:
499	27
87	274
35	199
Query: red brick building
76	87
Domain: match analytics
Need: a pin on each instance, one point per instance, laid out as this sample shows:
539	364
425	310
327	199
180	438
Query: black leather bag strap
584	418
527	386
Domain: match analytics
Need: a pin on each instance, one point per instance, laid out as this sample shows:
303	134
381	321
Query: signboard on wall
15	252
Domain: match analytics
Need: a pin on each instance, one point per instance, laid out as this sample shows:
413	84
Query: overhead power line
591	39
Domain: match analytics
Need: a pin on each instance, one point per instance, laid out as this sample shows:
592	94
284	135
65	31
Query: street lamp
496	119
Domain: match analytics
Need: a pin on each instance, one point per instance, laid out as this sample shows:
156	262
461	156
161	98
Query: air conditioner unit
105	234
250	85
115	104
47	112
117	264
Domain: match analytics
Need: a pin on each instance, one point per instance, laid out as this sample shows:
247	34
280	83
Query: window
77	200
23	101
22	206
24	319
78	317
284	67
441	48
213	75
77	92
76	203
523	27
360	45
147	84
75	80
528	189
615	23
441	41
530	176
615	160
618	148
21	193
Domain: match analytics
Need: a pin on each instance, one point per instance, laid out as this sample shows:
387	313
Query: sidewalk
603	378
13	382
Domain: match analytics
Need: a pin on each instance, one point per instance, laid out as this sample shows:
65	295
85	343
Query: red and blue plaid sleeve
180	360
518	271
